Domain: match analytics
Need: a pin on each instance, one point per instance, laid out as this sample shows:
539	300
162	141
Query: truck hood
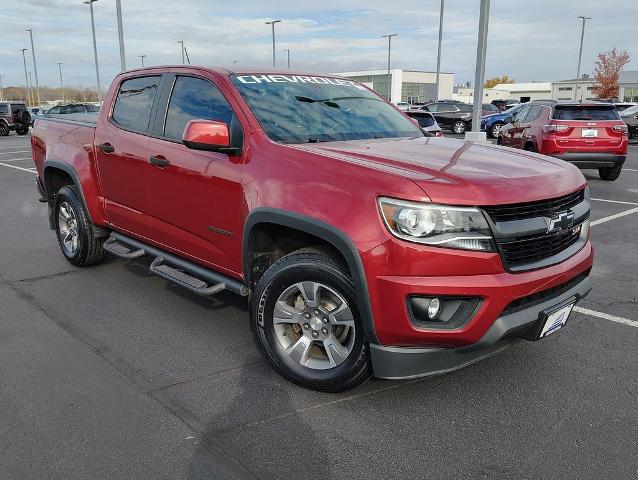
462	173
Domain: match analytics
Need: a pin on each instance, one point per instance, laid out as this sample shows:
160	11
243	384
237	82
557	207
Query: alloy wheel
68	229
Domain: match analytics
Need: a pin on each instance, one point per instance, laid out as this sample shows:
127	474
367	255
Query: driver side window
520	116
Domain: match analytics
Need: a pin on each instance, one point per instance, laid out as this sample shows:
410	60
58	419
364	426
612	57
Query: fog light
434	308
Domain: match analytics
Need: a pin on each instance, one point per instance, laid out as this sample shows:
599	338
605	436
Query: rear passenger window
533	113
192	99
134	101
585	112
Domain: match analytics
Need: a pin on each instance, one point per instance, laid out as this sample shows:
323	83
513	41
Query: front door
122	155
196	199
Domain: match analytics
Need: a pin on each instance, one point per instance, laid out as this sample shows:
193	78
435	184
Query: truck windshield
303	109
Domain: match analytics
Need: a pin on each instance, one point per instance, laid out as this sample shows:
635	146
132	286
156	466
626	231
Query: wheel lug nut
306	326
307	315
317	312
315	333
324	330
324	319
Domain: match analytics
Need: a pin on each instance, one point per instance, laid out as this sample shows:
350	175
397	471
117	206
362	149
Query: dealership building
628	83
412	86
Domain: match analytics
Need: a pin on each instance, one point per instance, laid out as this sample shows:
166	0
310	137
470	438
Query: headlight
437	225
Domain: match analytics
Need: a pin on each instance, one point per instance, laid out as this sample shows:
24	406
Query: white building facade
628	82
566	89
412	86
523	92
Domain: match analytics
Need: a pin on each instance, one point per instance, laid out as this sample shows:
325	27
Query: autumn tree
608	67
496	80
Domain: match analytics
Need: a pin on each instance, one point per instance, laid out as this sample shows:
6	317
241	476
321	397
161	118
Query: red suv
587	134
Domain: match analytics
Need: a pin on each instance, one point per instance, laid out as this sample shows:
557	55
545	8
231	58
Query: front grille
543	208
530	249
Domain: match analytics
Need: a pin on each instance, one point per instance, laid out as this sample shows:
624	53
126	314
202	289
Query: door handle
106	147
159	161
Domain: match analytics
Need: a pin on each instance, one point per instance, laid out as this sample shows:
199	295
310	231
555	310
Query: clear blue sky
528	40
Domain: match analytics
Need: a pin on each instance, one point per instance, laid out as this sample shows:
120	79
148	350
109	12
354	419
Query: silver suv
14	116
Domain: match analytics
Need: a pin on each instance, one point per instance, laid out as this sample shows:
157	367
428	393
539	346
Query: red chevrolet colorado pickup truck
365	247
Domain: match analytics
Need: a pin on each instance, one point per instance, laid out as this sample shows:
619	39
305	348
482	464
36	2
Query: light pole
287	50
272	23
479	77
389	37
142	57
61	83
438	56
26	75
120	33
35	67
1	94
234	62
580	52
181	42
97	68
32	96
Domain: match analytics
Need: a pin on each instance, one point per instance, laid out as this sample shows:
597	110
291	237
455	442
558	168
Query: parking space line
629	170
606	316
614	201
16	159
30	170
613	217
17	151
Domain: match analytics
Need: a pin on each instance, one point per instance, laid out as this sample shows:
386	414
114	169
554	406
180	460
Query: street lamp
389	37
1	95
181	42
61	83
142	57
35	67
272	23
580	53
479	76
287	50
438	56
26	75
97	69
120	33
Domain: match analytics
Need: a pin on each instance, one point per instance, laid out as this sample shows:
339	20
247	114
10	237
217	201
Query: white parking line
16	159
613	201
629	170
30	170
613	217
17	151
607	316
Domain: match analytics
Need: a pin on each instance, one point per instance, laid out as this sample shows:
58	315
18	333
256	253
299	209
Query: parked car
427	122
587	134
620	106
403	106
488	109
363	247
14	116
630	117
73	109
503	104
492	124
455	116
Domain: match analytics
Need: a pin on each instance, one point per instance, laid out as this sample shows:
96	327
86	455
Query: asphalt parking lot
110	372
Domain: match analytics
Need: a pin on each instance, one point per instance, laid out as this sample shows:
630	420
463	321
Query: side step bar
196	278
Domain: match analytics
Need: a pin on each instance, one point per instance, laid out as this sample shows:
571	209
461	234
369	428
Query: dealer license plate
589	133
555	320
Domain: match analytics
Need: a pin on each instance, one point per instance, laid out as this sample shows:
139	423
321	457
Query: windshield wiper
326	102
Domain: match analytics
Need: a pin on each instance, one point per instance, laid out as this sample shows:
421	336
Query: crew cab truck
363	246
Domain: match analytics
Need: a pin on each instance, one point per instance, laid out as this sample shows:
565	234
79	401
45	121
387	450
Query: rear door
121	140
196	200
512	134
527	125
590	127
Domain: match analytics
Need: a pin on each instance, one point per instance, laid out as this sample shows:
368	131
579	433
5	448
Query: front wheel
459	127
610	173
77	236
22	130
4	129
305	321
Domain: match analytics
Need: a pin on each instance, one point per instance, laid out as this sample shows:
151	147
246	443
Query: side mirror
207	135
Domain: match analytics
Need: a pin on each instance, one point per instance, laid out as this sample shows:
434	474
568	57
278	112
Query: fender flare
46	182
332	235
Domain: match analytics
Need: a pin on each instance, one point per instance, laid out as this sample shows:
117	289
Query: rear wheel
77	236
495	129
305	322
4	129
610	173
22	130
459	127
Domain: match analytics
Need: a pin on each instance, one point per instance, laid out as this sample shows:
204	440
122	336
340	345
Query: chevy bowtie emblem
562	221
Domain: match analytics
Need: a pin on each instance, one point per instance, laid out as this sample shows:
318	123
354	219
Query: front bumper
405	362
592	159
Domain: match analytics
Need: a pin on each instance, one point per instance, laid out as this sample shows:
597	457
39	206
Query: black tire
529	146
610	174
4	129
22	130
494	130
24	117
307	265
89	249
459	127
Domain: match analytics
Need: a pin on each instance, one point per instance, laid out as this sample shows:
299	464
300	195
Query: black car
14	116
454	116
503	104
630	117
